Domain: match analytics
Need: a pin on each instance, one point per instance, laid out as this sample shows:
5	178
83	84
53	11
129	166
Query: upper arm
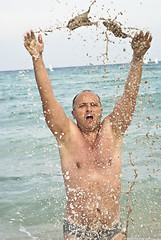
122	114
56	119
124	108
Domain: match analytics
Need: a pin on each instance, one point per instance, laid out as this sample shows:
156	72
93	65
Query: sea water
32	194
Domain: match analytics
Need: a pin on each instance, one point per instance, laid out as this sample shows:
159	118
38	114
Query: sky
83	46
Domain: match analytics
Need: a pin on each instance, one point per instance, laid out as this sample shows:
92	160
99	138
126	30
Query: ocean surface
32	194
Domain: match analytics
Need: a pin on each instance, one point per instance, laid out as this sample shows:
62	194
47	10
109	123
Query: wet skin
92	177
91	166
90	151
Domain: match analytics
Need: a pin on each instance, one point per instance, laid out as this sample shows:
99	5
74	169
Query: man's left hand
141	43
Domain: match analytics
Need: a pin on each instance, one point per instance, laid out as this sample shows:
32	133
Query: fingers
34	46
40	39
27	39
26	46
141	37
136	36
147	35
29	36
32	34
150	39
141	43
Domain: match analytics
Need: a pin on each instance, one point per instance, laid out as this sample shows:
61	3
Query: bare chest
97	155
86	155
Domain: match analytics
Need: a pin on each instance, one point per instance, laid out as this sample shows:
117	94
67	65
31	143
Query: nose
88	109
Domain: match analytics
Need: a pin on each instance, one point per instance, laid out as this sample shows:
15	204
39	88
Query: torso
92	177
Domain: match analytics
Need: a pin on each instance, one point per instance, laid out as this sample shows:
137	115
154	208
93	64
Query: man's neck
91	136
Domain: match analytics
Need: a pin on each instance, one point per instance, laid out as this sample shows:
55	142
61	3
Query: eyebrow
87	103
82	104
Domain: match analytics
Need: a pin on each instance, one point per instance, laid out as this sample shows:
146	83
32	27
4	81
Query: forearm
125	105
43	80
133	79
51	107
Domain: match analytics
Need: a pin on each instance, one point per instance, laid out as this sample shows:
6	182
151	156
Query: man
90	150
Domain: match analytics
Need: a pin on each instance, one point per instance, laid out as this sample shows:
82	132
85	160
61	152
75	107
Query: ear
73	114
101	111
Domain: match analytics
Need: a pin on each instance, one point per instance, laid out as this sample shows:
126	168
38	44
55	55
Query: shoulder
106	122
65	139
73	126
108	127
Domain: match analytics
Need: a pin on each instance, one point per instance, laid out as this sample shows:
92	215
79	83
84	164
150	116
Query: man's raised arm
124	108
54	114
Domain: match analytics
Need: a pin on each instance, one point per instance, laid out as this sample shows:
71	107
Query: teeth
89	117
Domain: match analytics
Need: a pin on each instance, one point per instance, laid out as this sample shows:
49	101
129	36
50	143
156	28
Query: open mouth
89	117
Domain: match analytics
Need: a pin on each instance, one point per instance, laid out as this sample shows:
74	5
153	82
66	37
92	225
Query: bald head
74	99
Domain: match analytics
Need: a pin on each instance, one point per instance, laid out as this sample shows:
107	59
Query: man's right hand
33	46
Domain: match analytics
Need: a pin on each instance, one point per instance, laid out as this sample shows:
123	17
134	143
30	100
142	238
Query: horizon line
76	66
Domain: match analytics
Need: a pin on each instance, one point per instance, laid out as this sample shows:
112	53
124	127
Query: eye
94	104
81	106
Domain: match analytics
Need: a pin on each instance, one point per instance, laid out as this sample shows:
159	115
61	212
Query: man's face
87	111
